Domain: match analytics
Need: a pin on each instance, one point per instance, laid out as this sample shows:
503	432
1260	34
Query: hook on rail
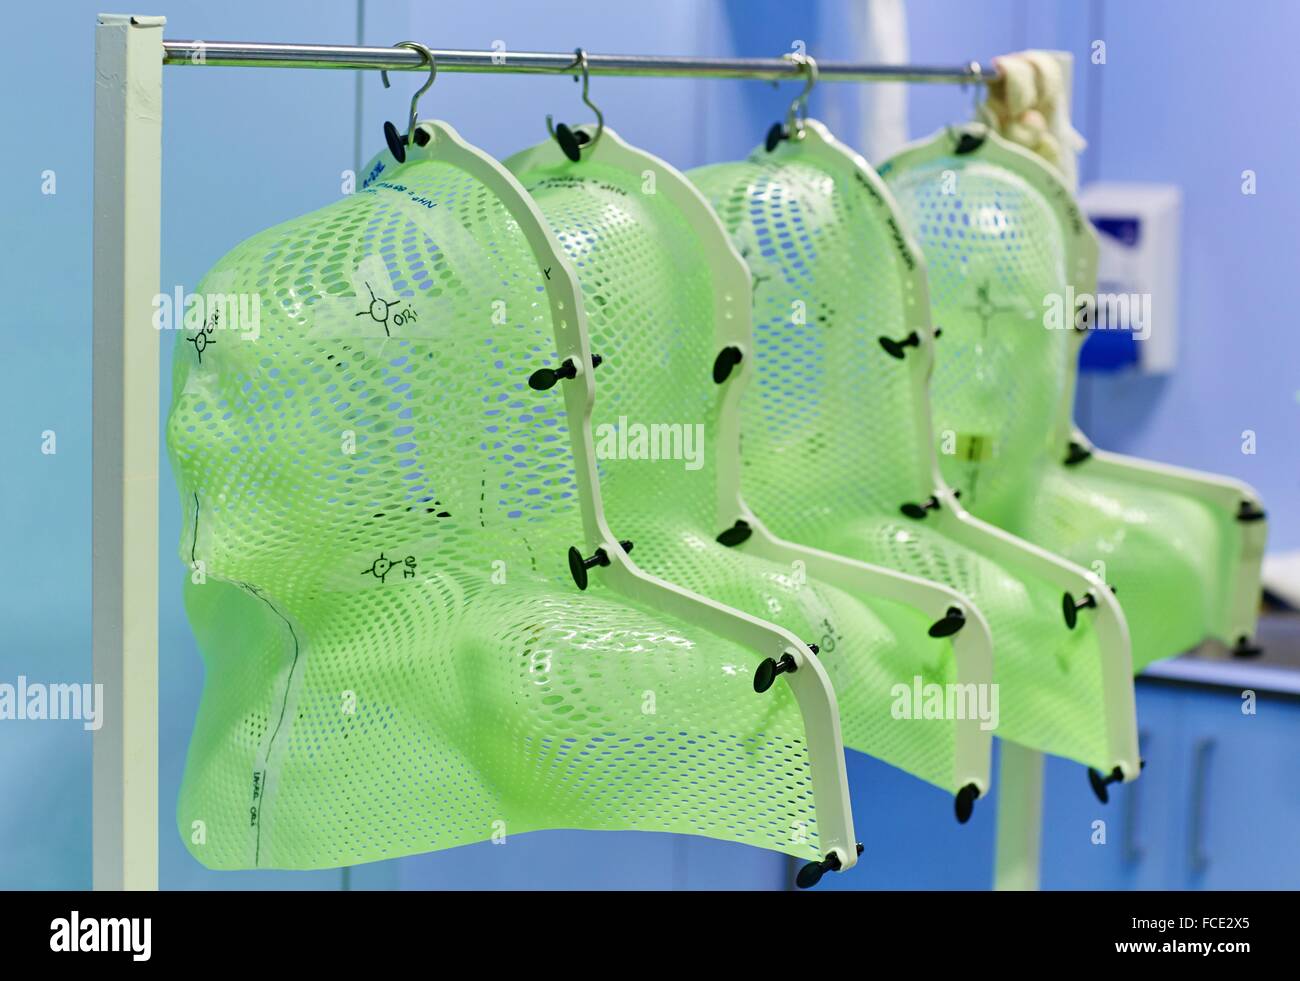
570	142
798	113
397	143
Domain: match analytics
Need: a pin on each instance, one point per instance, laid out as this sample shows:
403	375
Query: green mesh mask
843	354
667	301
1012	266
378	509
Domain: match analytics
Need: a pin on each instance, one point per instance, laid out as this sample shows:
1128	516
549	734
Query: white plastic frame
973	648
1113	641
1020	775
733	326
1234	619
809	682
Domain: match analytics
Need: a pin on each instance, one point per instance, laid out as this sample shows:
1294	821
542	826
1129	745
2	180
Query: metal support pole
125	346
1020	818
344	56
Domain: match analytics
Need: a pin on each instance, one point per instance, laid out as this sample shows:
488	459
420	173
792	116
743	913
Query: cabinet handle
1133	849
1198	857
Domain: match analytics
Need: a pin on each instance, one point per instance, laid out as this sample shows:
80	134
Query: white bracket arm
972	645
1114	645
1236	502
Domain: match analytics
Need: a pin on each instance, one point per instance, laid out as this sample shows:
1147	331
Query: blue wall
1194	94
245	149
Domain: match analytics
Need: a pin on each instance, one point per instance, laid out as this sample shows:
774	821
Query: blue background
1192	93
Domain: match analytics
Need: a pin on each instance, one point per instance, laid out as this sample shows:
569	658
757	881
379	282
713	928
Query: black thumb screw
1070	607
1100	783
965	803
812	873
544	378
769	668
578	566
727	359
948	624
396	142
1247	511
919	511
895	348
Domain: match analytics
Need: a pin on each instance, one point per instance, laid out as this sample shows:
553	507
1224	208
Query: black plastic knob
948	624
1070	607
1101	785
578	566
968	143
812	873
965	802
727	359
396	142
545	378
1244	648
775	135
919	511
1076	454
569	142
737	534
1249	512
766	673
895	349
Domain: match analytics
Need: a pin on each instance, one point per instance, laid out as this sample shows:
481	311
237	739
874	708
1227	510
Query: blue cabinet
1217	805
1241	795
910	835
1122	844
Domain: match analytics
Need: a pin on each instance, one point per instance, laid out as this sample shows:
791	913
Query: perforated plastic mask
994	251
377	511
666	298
843	354
1011	262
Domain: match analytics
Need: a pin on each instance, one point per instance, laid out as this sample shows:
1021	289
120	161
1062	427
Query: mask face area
999	283
826	285
833	275
377	511
651	272
996	265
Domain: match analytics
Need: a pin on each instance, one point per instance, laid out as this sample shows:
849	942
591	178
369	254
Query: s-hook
798	112
397	143
977	84
971	136
570	142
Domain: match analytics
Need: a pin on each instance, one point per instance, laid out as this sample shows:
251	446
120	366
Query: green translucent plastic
830	403
649	299
994	250
396	657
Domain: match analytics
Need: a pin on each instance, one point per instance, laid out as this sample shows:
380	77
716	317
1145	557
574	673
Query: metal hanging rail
344	56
